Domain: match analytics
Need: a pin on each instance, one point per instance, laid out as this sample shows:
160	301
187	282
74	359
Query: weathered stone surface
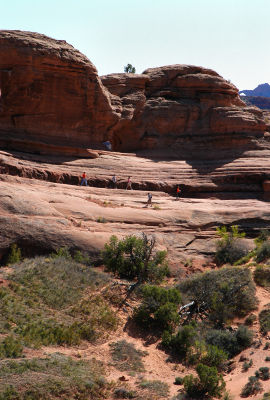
50	93
179	104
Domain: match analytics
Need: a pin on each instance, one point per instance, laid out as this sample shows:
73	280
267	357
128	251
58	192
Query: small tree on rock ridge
130	69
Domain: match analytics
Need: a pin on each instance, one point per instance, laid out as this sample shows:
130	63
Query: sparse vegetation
231	342
264	319
263	252
37	308
208	383
221	294
230	248
10	348
134	258
263	373
253	386
126	357
158	308
52	378
15	255
249	321
159	388
262	275
247	365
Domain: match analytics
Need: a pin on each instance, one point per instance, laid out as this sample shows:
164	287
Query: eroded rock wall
50	93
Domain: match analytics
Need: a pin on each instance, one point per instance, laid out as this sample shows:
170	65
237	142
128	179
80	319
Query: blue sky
229	36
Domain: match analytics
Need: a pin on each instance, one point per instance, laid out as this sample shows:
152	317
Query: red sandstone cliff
53	101
50	93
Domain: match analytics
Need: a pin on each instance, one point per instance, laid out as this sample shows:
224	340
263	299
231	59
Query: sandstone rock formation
50	94
180	108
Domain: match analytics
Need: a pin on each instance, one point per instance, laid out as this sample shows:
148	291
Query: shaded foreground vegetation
53	377
51	301
61	300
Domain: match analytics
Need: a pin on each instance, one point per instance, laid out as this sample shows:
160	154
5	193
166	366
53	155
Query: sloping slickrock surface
41	214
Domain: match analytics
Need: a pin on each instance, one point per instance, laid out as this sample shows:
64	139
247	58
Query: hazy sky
229	36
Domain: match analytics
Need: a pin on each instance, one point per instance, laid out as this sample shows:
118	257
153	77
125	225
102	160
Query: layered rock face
168	107
50	94
52	101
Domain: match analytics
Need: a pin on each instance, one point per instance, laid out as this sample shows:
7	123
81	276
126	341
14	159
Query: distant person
178	192
108	145
129	186
149	201
84	180
114	182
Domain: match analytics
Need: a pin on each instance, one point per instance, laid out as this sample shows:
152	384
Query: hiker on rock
149	201
129	184
114	182
178	192
84	180
108	145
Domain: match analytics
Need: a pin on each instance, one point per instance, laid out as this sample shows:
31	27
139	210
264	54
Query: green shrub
247	365
157	387
263	237
261	275
15	255
178	380
208	383
264	319
10	348
267	358
214	357
263	252
182	341
134	258
159	307
262	373
126	357
223	293
62	252
253	386
123	393
231	342
250	319
230	247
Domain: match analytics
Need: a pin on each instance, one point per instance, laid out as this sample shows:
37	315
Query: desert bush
263	237
263	252
230	247
253	386
10	348
208	383
223	293
15	255
134	258
214	357
123	393
247	365
159	307
180	343
261	275
231	342
179	380
262	373
264	319
126	357
250	319
159	388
